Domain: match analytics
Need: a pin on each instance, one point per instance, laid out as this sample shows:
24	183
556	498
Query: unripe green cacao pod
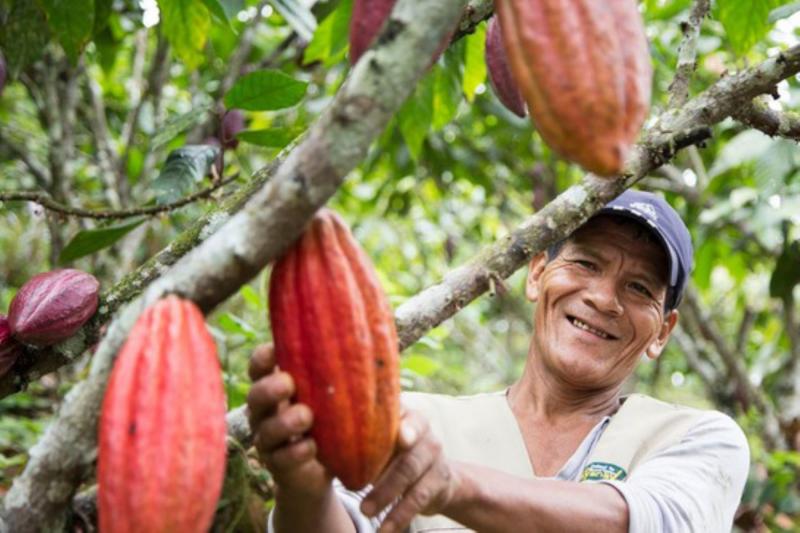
51	307
500	73
161	451
334	332
10	349
584	69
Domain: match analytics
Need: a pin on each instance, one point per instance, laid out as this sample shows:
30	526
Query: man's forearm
298	514
491	501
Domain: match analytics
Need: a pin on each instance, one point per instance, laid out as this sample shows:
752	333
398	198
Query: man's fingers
291	456
413	502
403	471
262	362
285	426
266	395
412	426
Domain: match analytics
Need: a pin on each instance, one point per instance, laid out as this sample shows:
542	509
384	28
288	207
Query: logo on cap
645	209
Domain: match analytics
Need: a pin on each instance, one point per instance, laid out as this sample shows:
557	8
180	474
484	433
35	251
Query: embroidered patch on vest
603	472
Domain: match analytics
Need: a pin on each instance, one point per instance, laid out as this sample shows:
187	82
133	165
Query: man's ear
535	269
657	346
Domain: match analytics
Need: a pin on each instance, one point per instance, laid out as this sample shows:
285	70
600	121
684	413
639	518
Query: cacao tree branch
687	54
48	203
756	114
38	171
271	220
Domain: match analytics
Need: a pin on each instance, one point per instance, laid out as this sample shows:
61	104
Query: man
560	450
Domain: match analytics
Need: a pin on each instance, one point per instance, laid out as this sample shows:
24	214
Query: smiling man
559	450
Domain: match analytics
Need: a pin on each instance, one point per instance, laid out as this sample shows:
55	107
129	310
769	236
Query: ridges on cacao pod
500	73
52	306
584	69
334	332
10	349
161	450
368	18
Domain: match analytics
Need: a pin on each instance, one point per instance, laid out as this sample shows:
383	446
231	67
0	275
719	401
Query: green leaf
184	167
474	62
102	11
186	23
785	11
250	296
330	39
72	22
177	124
271	138
298	16
224	10
265	90
446	92
420	365
87	242
745	21
787	272
416	116
23	36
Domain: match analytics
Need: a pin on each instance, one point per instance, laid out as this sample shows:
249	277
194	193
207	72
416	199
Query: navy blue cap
666	224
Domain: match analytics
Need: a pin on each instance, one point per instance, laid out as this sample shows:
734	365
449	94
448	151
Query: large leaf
743	148
87	242
185	24
23	35
184	167
446	90
746	21
224	10
271	138
785	11
416	116
787	272
72	21
179	123
102	11
298	16
265	90
474	62
330	39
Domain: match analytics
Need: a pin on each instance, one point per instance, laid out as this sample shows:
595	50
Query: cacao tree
181	147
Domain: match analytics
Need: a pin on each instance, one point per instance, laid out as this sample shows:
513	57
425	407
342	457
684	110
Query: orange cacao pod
334	333
162	451
52	306
584	69
499	72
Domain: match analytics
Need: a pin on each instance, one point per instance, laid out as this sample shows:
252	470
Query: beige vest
481	429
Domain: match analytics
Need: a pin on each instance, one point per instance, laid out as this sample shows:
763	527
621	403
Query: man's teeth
590	329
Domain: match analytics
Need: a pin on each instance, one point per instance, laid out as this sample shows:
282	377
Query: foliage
104	104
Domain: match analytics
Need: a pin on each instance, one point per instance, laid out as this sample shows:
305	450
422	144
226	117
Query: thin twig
46	202
37	170
687	54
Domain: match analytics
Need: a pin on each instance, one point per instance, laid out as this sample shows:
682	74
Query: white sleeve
692	486
351	502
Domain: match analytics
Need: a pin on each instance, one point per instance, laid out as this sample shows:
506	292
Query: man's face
600	304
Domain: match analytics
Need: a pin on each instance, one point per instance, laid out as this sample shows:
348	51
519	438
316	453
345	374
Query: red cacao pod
52	306
10	349
232	123
334	333
367	20
161	451
584	69
500	73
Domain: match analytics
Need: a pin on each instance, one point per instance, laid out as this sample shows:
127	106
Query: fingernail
368	508
408	434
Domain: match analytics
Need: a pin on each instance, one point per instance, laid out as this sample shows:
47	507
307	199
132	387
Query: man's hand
279	429
419	477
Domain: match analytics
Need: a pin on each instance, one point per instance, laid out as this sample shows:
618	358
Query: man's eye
586	264
638	287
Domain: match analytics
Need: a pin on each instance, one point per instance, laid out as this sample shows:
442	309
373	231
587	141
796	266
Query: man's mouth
580	324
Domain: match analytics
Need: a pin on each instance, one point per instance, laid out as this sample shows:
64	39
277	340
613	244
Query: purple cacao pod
52	306
500	76
232	123
10	349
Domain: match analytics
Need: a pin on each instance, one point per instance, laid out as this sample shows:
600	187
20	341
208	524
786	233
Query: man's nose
602	295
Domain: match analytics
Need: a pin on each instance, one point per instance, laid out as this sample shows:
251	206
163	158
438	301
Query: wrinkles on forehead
606	233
